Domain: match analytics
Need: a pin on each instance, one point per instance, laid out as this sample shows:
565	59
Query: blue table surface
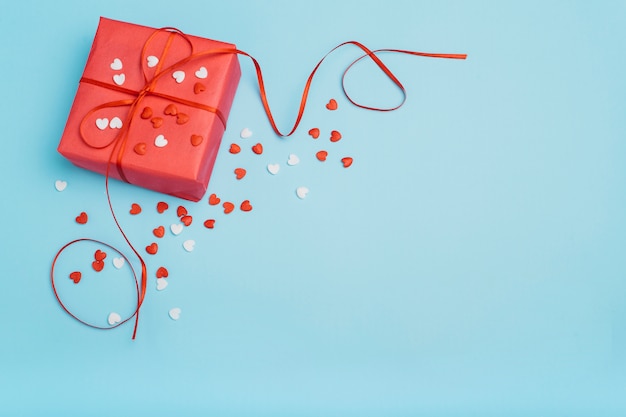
470	262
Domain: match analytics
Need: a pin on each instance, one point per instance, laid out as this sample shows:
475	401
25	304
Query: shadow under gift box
151	108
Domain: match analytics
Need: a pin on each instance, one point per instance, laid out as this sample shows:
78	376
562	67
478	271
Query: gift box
151	107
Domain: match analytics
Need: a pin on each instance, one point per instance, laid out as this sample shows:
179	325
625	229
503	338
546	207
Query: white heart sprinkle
118	262
301	192
176	228
116	123
60	185
293	160
152	61
116	65
273	168
179	76
175	313
102	123
188	245
114	318
119	79
160	141
246	133
202	73
161	284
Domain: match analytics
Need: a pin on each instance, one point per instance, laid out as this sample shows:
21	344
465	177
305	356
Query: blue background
470	262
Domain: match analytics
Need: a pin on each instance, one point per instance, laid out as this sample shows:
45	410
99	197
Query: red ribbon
150	89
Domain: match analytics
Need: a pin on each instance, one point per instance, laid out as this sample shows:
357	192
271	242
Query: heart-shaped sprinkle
60	185
196	140
257	149
332	104
302	192
116	123
160	141
179	76
162	206
118	263
159	231
245	133
189	245
152	248
97	266
315	133
175	313
198	88
214	199
181	118
82	218
202	73
181	211
161	284
162	272
245	205
102	123
76	276
273	168
176	228
135	209
240	173
140	148
228	207
335	136
209	223
146	113
171	109
99	255
116	65
113	319
321	155
152	61
347	161
234	148
186	220
293	160
119	79
157	122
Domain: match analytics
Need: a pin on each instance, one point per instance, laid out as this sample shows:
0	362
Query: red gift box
151	107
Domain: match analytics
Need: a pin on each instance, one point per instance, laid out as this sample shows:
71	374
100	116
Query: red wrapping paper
135	119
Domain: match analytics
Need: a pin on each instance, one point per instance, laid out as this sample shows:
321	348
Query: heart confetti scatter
214	199
176	228
181	211
82	218
228	207
161	284
162	272
160	141
245	133
186	220
347	161
198	88
114	318
314	133
175	313
115	123
97	266
273	168
102	123
135	209
152	61
152	248
321	155
157	122
335	136
146	113
99	255
171	110
179	76
162	206
60	185
116	65
293	160
209	223
246	206
140	148
119	79
159	231
182	118
240	173
332	104
202	73
234	148
196	140
76	276
302	192
118	263
189	245
257	149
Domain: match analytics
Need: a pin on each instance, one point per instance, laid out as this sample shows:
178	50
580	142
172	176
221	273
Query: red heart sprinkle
81	218
315	133
135	209
228	207
214	199
171	110
99	255
234	148
240	173
159	231
186	220
162	206
196	140
198	88
76	276
332	104
182	118
181	211
257	149
335	136
246	206
156	122
152	249
209	224
347	161
146	113
97	265
321	155
162	272
140	148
